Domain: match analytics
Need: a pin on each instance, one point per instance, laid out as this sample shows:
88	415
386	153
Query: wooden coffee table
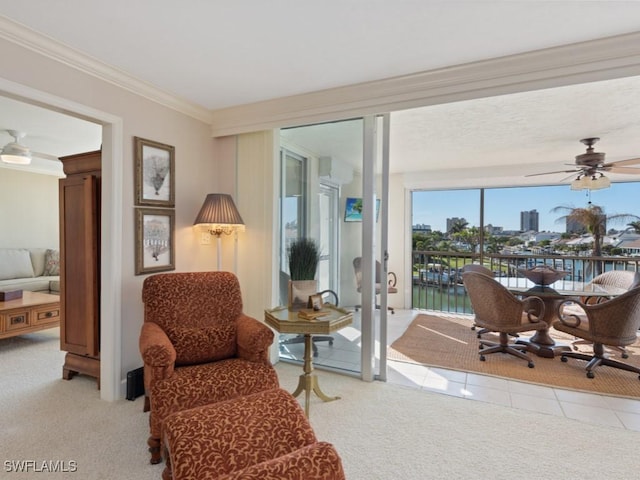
34	311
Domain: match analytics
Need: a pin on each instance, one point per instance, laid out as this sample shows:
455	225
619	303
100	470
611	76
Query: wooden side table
286	321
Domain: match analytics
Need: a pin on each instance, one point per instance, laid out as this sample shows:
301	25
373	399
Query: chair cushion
261	432
319	461
197	385
202	344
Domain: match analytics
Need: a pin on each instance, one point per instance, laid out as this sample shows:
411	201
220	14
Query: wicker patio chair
498	310
616	278
612	323
476	267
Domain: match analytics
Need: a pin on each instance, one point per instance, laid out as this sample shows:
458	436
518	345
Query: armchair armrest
534	306
317	461
158	354
570	319
391	279
254	339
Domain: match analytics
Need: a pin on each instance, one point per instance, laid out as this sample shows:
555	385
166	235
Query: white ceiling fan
590	167
19	154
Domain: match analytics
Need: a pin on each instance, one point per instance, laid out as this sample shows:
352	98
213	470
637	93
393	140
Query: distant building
541	236
579	228
529	221
575	227
493	230
422	228
453	221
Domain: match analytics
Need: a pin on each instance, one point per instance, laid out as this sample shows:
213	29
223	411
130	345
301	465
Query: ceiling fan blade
630	161
627	170
45	156
573	175
550	173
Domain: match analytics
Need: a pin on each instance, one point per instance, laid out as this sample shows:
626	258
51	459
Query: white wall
29	213
196	168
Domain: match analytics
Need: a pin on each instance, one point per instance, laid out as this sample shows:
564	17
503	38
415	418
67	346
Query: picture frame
155	240
154	173
315	302
353	209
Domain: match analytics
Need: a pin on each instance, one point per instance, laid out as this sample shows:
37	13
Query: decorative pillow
15	263
202	344
51	263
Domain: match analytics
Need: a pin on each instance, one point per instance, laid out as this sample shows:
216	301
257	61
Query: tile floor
344	354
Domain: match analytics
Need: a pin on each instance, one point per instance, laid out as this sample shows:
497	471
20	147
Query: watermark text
40	466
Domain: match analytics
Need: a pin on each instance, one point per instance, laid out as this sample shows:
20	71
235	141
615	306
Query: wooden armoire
80	264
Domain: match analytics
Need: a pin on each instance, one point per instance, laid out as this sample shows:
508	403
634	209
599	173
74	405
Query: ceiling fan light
16	159
600	182
578	184
15	153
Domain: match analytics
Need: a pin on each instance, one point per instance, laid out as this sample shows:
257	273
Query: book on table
311	314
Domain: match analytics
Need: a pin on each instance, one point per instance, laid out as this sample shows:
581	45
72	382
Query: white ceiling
219	54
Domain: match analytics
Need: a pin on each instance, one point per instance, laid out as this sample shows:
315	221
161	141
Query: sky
503	205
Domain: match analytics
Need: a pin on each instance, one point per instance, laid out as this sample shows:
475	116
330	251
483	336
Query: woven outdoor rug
448	342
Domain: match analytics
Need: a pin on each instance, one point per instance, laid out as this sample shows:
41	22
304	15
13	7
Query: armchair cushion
202	344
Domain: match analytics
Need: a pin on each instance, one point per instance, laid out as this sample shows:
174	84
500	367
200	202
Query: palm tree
635	226
457	226
594	219
468	236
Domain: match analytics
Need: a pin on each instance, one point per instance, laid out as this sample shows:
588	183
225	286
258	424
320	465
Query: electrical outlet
205	238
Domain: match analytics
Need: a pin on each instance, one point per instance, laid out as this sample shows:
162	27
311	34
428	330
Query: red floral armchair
198	347
264	436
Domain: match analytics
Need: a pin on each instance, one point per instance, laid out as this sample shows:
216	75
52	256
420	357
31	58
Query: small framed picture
353	209
155	173
315	302
154	240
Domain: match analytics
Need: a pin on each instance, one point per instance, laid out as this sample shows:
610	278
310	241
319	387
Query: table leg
541	343
308	381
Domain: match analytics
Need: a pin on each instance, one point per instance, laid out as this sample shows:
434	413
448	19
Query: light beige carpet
449	342
381	431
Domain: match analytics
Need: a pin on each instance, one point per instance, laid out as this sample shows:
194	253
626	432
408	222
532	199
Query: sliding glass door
333	191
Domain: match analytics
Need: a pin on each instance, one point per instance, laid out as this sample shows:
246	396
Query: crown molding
594	60
19	34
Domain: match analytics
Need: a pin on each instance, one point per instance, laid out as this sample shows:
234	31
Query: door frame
112	386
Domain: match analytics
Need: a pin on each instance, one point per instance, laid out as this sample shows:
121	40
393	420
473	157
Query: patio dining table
541	343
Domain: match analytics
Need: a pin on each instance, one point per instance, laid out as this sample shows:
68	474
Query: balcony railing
437	276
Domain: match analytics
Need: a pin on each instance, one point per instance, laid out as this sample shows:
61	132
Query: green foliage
304	256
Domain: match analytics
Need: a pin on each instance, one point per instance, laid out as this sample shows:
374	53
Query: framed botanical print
155	240
154	173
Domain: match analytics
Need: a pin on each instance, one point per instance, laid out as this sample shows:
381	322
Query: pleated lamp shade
219	214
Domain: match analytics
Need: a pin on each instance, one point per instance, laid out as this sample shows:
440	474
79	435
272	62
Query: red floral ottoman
262	436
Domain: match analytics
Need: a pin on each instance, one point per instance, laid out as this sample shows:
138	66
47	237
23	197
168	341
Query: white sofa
33	269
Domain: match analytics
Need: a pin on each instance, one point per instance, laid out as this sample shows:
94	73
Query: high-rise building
529	221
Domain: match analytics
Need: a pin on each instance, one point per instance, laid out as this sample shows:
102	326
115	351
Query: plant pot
299	292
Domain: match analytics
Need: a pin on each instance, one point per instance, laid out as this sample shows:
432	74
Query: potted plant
303	255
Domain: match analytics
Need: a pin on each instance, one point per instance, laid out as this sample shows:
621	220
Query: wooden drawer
16	320
46	315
